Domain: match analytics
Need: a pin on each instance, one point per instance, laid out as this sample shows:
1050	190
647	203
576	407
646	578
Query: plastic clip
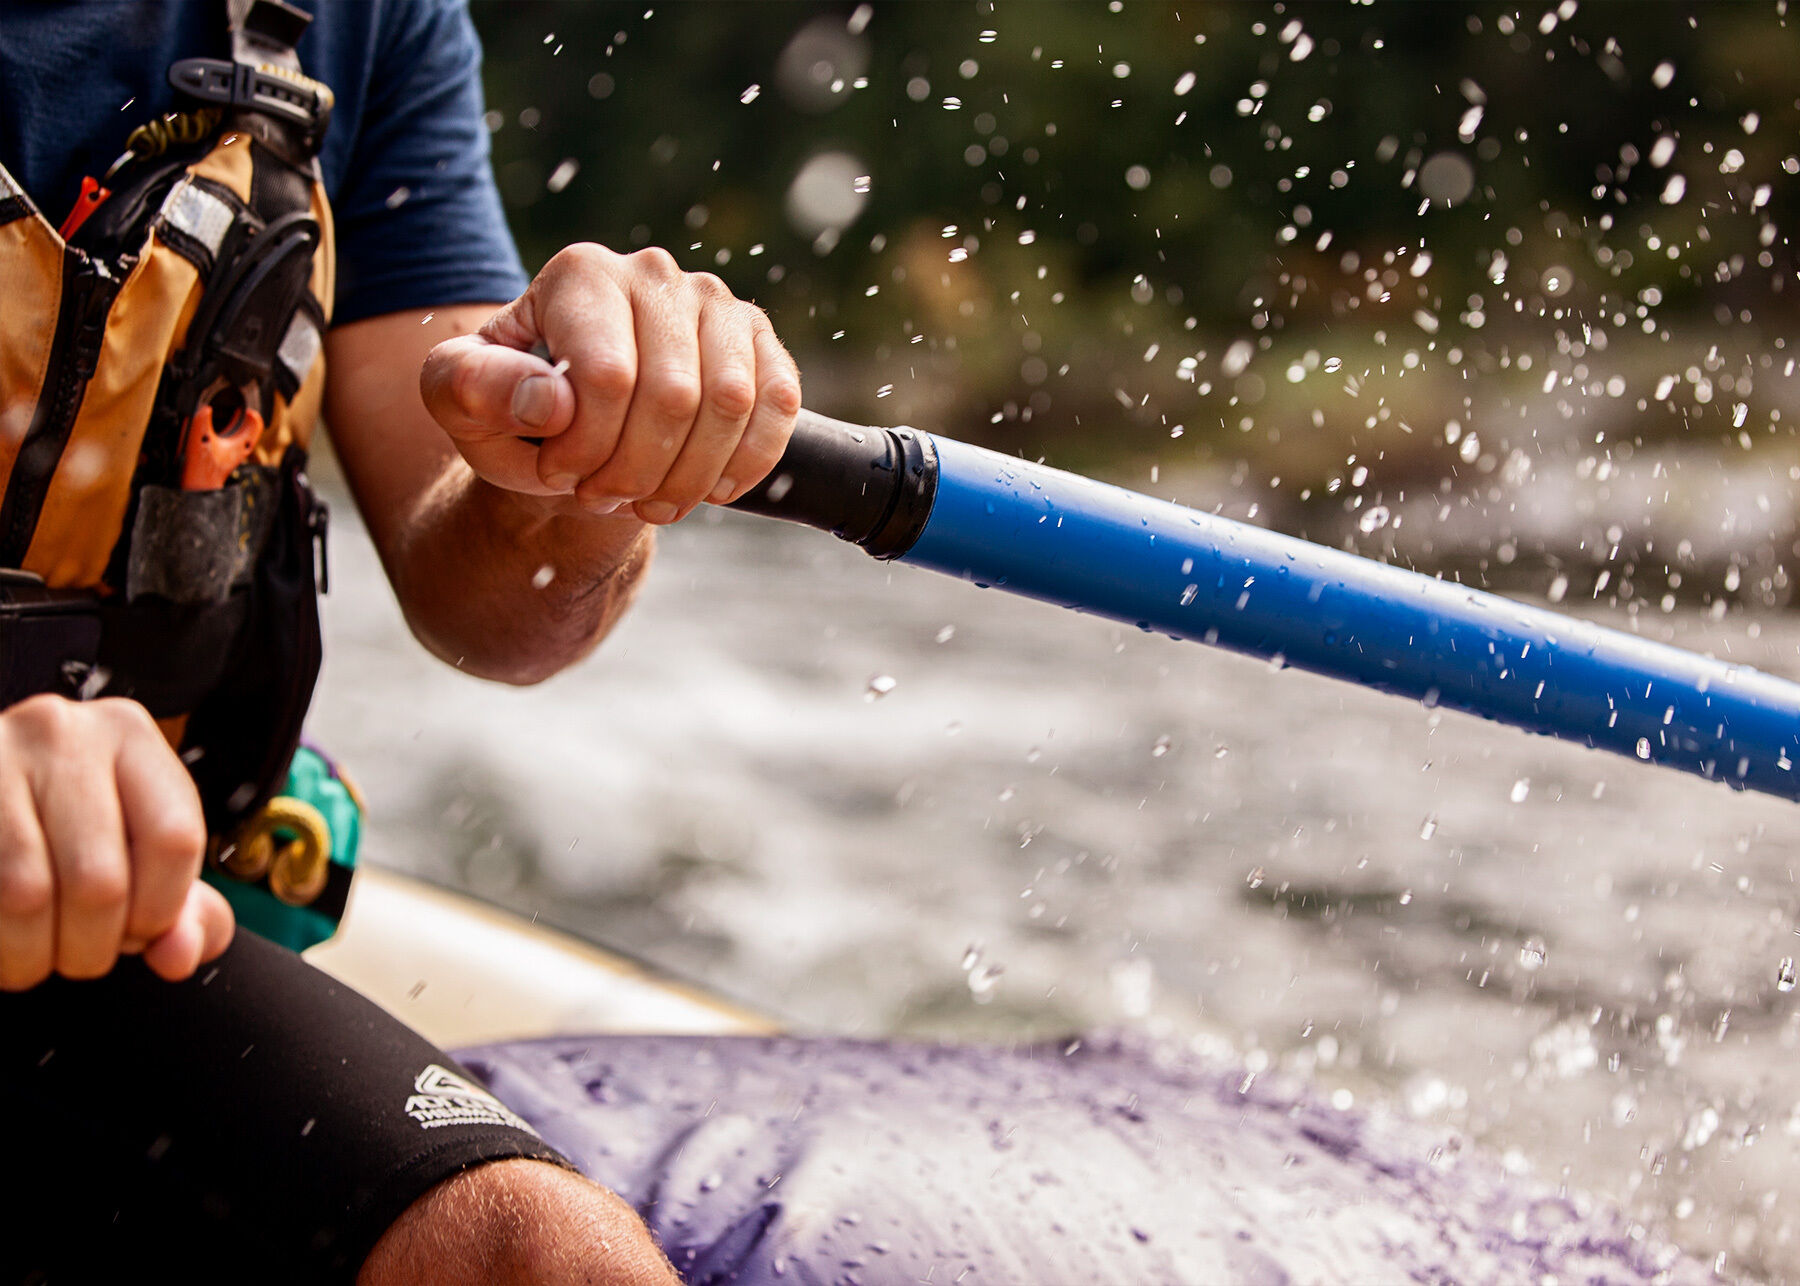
92	197
208	456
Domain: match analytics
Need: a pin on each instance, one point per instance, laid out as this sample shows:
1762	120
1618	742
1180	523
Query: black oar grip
872	487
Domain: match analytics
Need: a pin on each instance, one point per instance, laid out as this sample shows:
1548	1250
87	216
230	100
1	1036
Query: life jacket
160	377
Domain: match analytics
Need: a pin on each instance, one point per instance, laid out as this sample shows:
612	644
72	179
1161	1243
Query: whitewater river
872	800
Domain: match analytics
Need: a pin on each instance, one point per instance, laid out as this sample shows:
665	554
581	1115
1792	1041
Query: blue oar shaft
1100	549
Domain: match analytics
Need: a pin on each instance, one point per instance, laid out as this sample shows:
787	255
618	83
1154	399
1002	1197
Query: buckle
275	91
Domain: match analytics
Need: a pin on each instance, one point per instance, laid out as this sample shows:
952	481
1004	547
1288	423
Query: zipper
89	288
318	520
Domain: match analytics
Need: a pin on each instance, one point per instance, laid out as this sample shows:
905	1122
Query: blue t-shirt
405	160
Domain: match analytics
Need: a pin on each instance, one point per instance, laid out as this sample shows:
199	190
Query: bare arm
512	559
464	556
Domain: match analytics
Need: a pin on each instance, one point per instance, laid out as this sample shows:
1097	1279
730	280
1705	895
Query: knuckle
609	380
781	394
171	837
654	261
92	884
44	716
711	286
465	389
674	396
123	713
26	888
731	397
582	256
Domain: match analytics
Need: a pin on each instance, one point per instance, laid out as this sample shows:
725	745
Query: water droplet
750	94
1428	827
1521	788
543	576
1532	953
946	634
1187	595
563	174
1446	178
1161	747
1786	978
1256	877
1184	84
1643	748
879	686
1664	73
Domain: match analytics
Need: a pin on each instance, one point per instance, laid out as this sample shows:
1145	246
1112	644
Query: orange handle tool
92	195
208	456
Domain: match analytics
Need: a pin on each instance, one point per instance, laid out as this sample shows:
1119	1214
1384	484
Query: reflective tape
199	214
300	346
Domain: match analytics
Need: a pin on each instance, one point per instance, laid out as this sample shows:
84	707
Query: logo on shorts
441	1097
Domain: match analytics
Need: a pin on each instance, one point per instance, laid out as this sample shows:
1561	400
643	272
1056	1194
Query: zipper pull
93	195
93	298
318	518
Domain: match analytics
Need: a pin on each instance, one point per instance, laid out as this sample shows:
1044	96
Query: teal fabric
311	778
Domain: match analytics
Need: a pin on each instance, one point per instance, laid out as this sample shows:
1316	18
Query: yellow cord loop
289	841
153	138
327	99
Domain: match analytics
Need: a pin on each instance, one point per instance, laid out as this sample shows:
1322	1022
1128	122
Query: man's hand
101	839
662	390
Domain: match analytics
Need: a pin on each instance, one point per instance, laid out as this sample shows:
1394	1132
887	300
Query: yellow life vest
160	376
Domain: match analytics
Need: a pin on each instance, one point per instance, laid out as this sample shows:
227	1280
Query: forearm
512	587
509	493
467	559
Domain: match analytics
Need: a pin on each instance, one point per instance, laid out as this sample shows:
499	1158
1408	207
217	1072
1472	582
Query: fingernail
562	481
604	505
533	400
722	492
656	511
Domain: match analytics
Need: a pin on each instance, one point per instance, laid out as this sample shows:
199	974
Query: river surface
872	800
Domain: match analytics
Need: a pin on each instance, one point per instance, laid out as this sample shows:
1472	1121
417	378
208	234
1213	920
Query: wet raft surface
763	1159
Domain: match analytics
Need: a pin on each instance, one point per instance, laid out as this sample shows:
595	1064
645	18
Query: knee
518	1221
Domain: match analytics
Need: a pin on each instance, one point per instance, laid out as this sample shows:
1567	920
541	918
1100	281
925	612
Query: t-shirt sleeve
419	222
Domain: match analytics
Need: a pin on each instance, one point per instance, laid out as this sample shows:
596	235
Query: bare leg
518	1221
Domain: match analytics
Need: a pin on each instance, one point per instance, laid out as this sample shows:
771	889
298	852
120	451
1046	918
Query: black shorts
259	1122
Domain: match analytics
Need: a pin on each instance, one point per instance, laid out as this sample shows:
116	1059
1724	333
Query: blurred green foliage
1256	235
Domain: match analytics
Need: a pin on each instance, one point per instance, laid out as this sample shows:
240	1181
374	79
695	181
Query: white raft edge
461	972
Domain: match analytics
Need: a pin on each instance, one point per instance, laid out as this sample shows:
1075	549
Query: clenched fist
101	841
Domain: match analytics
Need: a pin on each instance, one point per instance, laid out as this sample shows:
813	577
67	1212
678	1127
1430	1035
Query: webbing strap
193	210
14	204
299	346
